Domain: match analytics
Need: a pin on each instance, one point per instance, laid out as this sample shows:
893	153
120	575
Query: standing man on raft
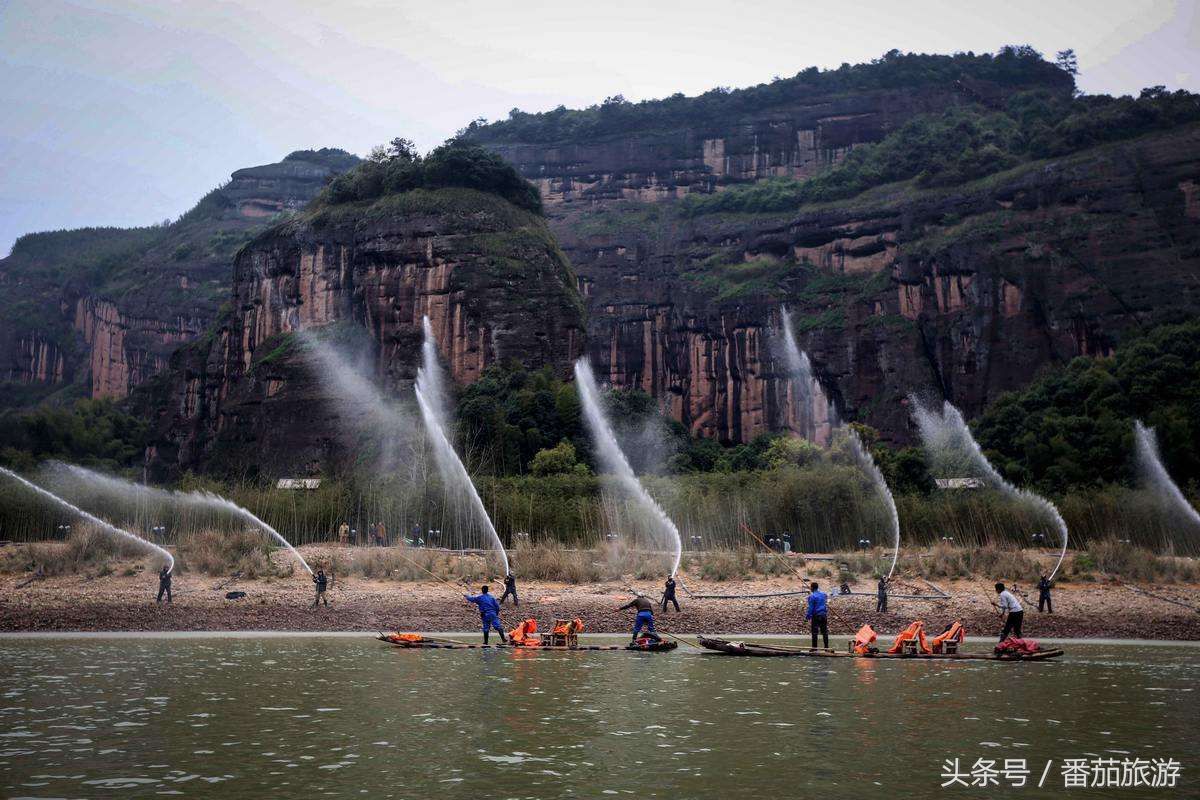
489	612
1012	607
645	617
818	614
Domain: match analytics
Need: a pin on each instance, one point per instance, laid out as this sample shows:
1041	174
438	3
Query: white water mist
126	489
814	415
950	446
1154	474
613	460
431	398
362	404
866	463
99	523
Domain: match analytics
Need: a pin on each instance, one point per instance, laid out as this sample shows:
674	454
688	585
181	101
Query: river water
304	716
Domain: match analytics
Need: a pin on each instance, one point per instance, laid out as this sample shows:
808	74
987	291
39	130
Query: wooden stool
910	647
950	647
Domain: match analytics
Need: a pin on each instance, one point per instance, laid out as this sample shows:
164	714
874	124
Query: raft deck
449	644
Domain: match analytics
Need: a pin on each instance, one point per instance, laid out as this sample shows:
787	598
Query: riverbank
125	602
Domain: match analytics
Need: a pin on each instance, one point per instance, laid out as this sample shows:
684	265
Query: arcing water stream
614	461
123	488
99	523
950	445
1154	473
867	464
800	368
431	398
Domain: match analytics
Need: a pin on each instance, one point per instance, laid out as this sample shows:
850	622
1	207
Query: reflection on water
291	717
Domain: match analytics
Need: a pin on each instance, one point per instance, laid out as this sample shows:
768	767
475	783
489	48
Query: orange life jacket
525	634
863	639
405	637
955	633
914	631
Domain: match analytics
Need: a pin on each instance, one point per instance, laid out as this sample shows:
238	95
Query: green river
262	716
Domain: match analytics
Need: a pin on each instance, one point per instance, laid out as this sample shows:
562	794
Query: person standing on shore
1044	595
322	583
510	589
881	594
1010	606
344	535
489	612
164	584
645	617
669	595
818	614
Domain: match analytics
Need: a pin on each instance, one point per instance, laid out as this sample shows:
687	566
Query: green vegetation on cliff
1011	67
400	169
1073	428
964	143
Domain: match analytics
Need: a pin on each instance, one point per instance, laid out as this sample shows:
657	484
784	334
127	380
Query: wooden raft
766	650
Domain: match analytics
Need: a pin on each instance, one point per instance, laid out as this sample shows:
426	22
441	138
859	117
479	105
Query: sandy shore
126	603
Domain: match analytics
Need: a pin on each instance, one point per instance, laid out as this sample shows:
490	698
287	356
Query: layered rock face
959	293
488	275
102	310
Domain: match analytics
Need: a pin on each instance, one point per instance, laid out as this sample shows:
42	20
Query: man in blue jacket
817	614
489	612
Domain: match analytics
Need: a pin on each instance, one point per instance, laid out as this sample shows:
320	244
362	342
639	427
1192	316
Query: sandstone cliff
962	293
98	311
489	276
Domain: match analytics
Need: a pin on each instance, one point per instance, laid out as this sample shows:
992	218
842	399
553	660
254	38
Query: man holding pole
489	612
818	614
645	617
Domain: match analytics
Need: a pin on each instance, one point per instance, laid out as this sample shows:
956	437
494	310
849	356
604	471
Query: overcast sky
125	113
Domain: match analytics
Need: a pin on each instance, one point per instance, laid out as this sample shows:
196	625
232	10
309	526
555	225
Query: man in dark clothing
818	614
645	617
510	588
1044	595
669	595
164	584
881	594
322	583
489	612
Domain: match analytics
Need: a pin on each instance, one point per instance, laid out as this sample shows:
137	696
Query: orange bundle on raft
525	634
563	628
405	637
863	639
954	633
914	633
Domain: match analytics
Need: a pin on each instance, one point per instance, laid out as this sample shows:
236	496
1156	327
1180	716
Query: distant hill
95	312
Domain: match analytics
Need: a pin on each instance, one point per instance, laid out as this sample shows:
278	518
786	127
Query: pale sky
125	113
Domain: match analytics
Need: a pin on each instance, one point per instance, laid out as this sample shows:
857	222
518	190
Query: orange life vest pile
955	633
915	631
525	634
863	639
405	637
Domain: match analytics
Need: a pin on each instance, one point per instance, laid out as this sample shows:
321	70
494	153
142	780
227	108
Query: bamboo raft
767	650
452	644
